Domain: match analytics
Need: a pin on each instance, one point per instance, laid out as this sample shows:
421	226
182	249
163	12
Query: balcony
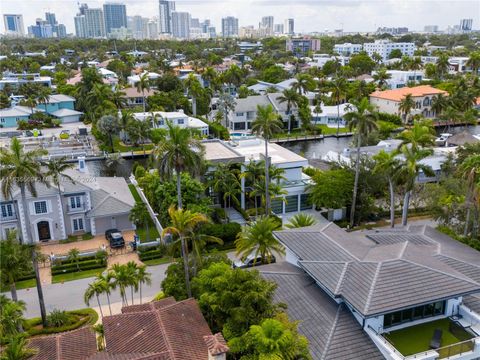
12	217
76	209
414	342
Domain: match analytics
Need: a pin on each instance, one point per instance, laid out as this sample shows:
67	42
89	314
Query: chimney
217	347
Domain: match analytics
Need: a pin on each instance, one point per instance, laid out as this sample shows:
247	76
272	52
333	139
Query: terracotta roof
132	92
73	345
399	94
216	344
173	331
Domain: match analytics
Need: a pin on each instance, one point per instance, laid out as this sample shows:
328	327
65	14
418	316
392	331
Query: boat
442	140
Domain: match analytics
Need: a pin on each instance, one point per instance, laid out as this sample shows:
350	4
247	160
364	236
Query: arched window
426	101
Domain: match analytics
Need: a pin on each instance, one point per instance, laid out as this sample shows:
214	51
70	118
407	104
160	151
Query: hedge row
227	232
82	265
152	253
88	316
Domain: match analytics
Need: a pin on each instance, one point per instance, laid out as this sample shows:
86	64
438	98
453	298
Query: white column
299	200
242	195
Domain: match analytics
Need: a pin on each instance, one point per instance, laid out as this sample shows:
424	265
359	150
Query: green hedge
227	232
83	265
88	316
152	253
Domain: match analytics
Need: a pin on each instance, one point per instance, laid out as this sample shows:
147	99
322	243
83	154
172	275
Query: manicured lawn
159	261
134	192
120	146
24	284
417	338
76	275
142	232
331	130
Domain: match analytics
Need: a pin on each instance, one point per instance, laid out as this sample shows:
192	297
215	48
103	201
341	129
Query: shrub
227	232
58	318
82	317
219	214
152	253
159	296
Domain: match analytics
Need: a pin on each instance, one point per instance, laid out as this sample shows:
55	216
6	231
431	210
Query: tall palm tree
194	89
469	169
474	61
143	277
224	181
362	119
275	192
415	64
43	96
94	289
303	84
406	105
225	104
387	164
254	172
15	262
140	216
103	282
449	115
258	239
132	268
439	104
143	85
338	89
266	124
126	116
120	276
211	77
409	170
184	222
421	134
118	98
301	220
20	168
292	98
381	77
442	65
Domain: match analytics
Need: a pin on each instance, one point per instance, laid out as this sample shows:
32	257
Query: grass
331	131
142	232
417	338
23	284
159	261
60	278
120	146
74	238
135	193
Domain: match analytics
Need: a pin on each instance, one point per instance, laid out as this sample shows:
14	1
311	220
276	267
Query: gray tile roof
383	271
250	103
330	328
472	302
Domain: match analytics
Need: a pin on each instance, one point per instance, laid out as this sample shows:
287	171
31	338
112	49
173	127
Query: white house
134	79
330	115
347	49
178	118
401	78
385	47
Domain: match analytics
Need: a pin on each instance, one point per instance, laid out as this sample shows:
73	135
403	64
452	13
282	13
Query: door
78	224
114	223
43	228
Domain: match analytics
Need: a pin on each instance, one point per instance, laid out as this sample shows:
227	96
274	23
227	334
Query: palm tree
132	268
22	169
224	180
253	173
140	216
292	98
303	84
421	134
125	118
225	104
118	98
409	170
301	220
184	223
211	77
94	289
43	96
258	239
442	64
104	282
387	164
143	85
143	277
17	349
194	89
275	192
406	105
120	276
338	88
439	104
381	77
363	120
474	61
449	116
108	126
11	316
15	262
266	124
56	168
74	257
469	169
415	64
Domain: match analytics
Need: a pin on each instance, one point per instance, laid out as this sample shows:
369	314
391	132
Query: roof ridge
462	261
405	245
340	246
58	347
162	330
342	277
332	331
372	287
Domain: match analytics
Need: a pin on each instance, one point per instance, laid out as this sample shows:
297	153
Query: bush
391	118
227	232
59	318
219	215
152	253
82	265
82	317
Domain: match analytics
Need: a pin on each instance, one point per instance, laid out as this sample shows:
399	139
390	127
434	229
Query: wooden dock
295	138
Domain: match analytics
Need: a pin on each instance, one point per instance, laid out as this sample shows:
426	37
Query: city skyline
310	16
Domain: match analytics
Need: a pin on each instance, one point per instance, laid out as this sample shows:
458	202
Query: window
7	210
181	121
75	202
291	203
239	114
77	224
40	207
416	313
161	122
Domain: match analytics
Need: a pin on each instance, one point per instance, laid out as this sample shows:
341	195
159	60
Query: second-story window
181	121
75	202
40	207
7	210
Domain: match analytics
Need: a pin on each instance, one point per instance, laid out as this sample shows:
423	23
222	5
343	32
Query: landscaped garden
416	339
78	267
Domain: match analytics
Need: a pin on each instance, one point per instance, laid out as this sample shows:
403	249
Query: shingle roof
65	112
330	328
73	345
399	94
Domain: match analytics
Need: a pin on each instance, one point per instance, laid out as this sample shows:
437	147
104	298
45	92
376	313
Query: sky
309	15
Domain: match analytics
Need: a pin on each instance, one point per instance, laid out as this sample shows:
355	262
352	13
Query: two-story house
159	120
90	204
388	101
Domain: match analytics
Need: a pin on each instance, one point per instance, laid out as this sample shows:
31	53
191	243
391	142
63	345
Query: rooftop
399	94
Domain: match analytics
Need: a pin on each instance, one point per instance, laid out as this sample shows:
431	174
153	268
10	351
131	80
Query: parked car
115	238
252	260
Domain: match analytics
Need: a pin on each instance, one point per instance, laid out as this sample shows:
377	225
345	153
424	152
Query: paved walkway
45	275
123	259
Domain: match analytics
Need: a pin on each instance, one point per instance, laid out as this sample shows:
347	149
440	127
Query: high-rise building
430	28
229	26
41	29
181	25
80	22
14	24
165	16
51	18
466	25
267	24
302	45
61	31
138	27
278	28
289	26
95	23
152	29
58	30
385	47
115	16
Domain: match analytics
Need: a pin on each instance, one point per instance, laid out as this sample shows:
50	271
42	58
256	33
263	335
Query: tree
406	105
409	170
395	54
474	61
94	289
266	124
11	317
303	84
275	338
363	121
108	126
292	99
140	216
17	349
103	282
338	91
194	89
143	85
74	257
258	239
301	220
4	100
15	262
43	96
233	300
443	64
126	116
184	223
225	104
22	169
469	169
421	134
122	277
439	104
143	277
361	63
387	164
381	77
332	189
224	181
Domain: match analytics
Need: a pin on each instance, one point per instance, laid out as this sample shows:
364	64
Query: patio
416	339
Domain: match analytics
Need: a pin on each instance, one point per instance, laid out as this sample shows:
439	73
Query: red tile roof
216	344
73	345
149	306
399	94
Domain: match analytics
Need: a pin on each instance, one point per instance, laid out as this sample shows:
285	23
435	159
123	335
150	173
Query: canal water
312	149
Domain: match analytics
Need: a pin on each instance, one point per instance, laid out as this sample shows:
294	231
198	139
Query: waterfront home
388	101
380	294
244	151
90	205
16	80
330	115
134	79
134	97
401	78
159	120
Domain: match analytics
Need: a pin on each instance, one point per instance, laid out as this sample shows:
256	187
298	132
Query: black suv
115	238
251	261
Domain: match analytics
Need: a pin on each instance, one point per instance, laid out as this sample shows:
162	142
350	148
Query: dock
296	138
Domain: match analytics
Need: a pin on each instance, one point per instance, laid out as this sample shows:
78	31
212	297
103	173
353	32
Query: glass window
305	202
439	307
239	126
292	203
40	207
277	206
181	121
7	210
407	315
418	312
428	310
78	224
396	317
75	202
